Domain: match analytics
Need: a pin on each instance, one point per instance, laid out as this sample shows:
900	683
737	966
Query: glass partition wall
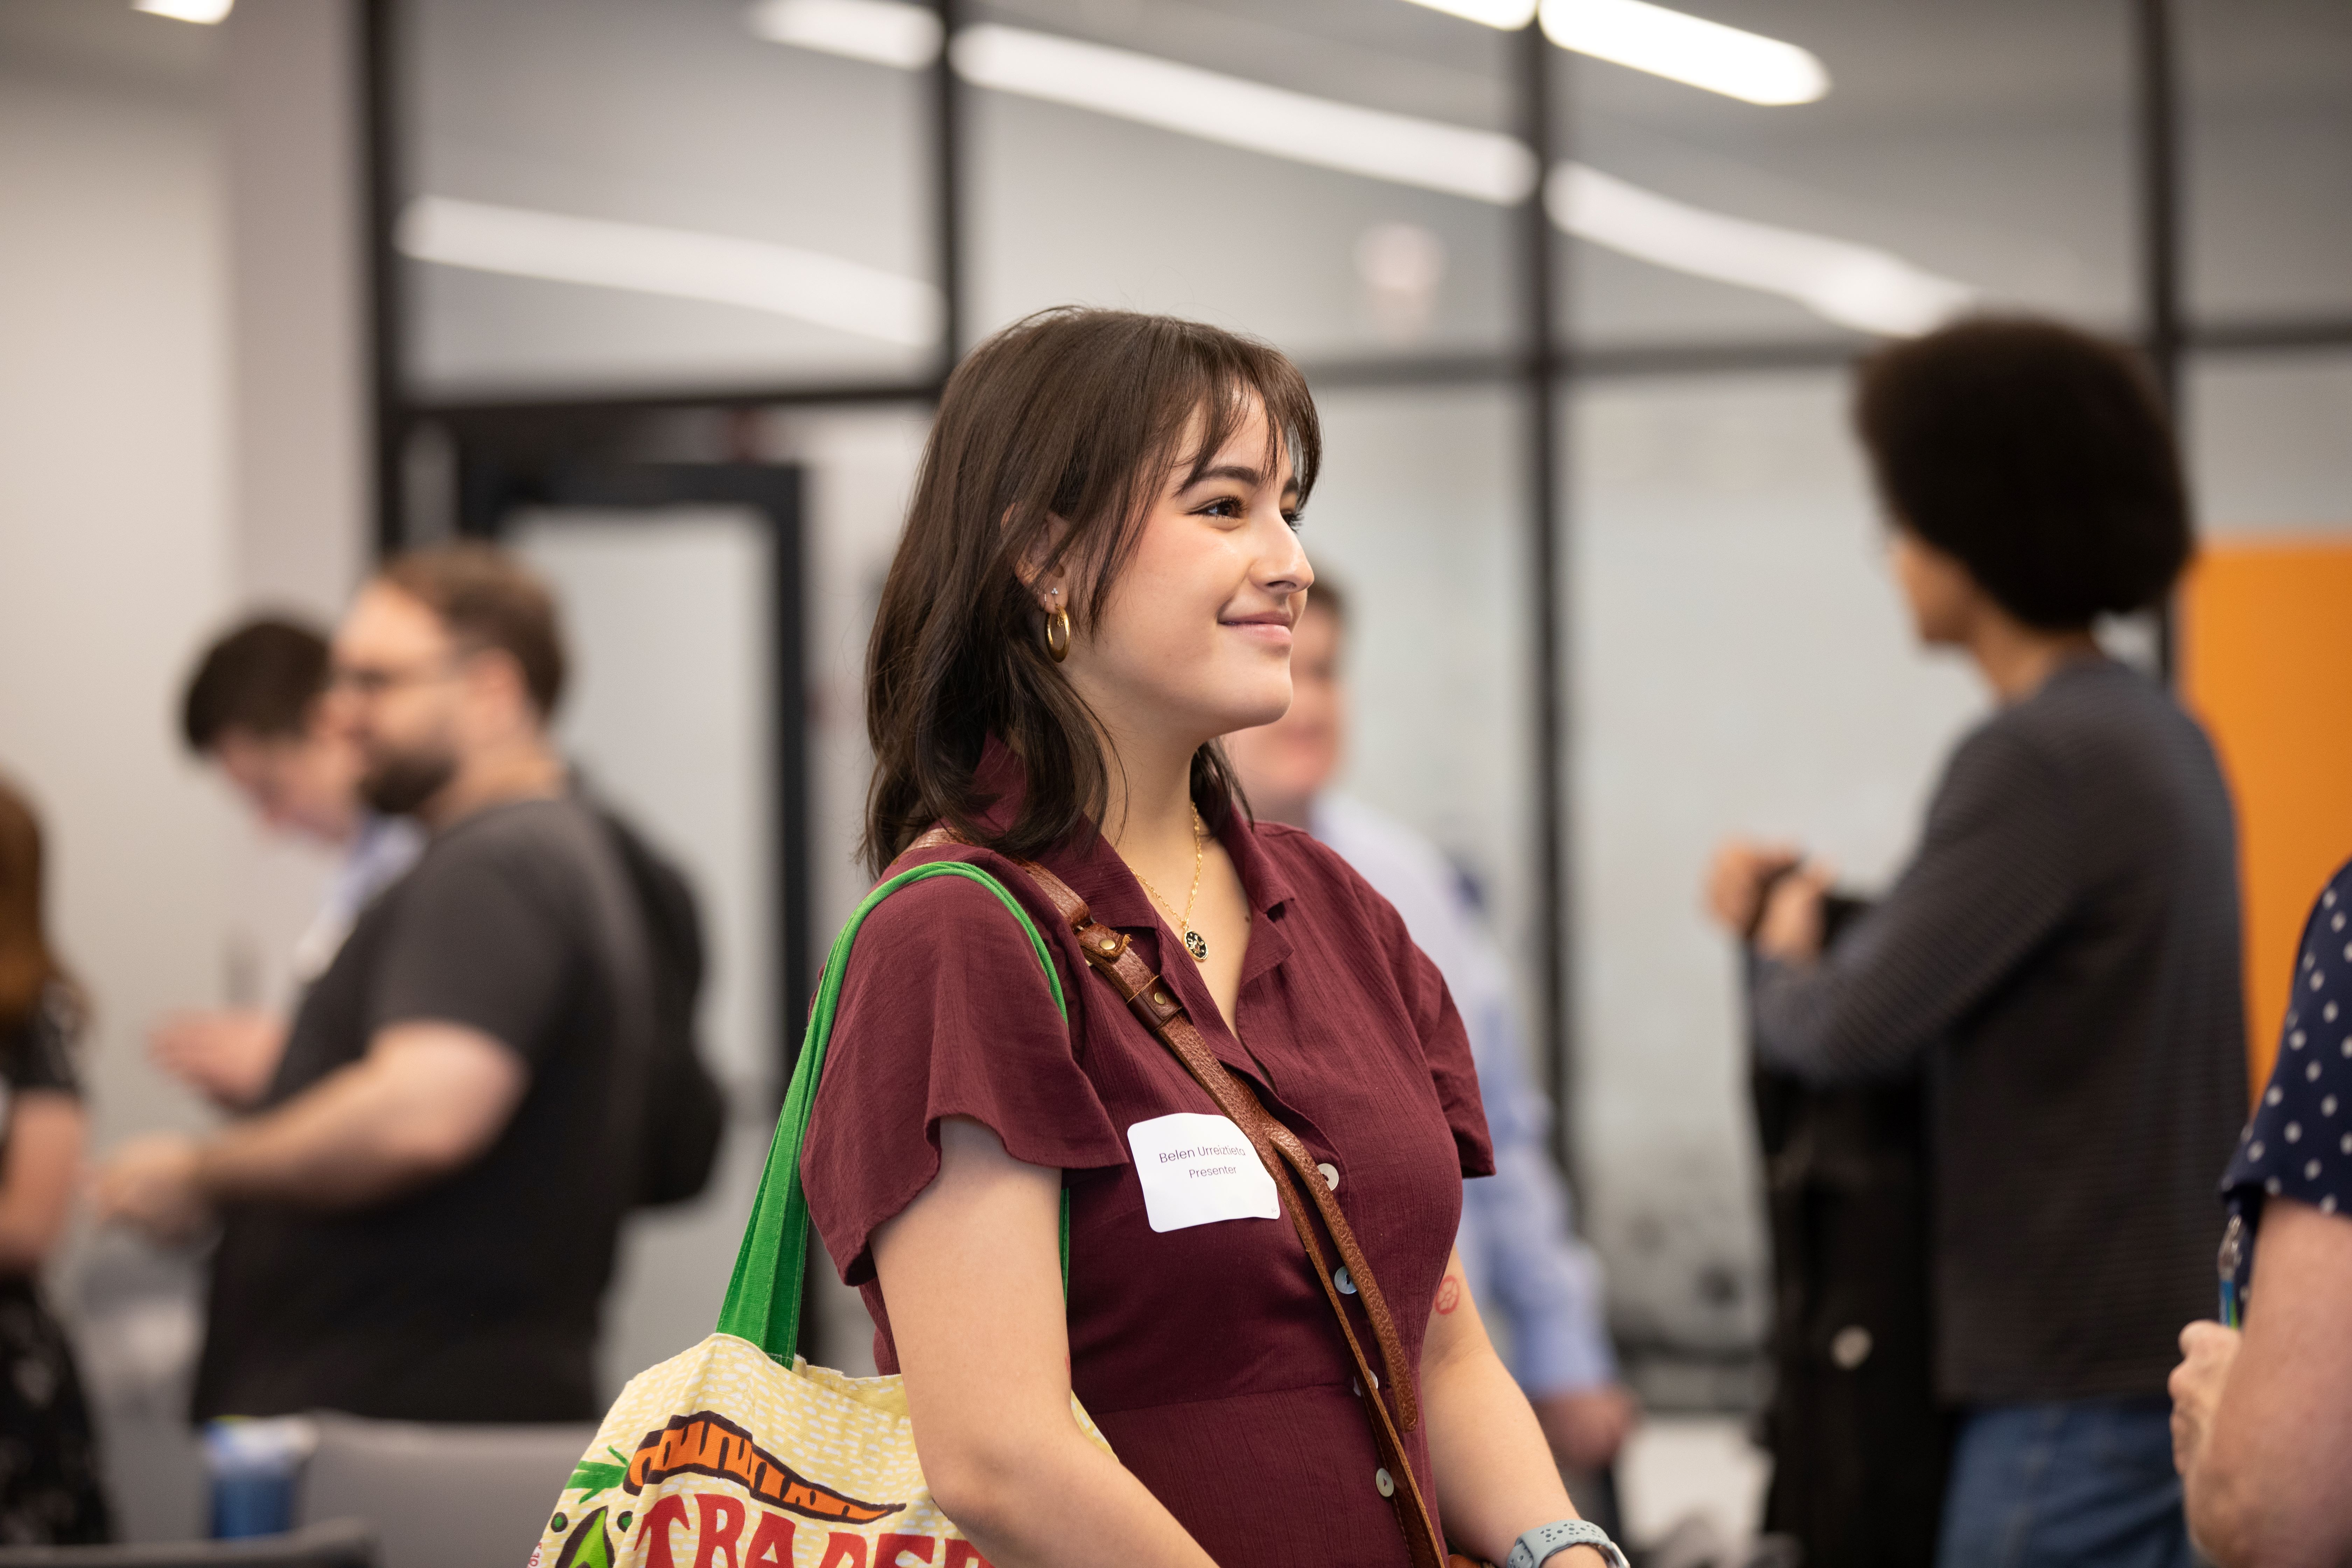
1577	297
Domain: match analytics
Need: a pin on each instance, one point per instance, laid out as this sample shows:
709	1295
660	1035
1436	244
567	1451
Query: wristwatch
1546	1541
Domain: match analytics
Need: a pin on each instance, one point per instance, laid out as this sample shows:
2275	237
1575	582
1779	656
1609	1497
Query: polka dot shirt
2299	1143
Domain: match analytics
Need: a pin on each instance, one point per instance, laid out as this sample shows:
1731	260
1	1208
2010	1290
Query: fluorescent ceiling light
1686	49
1853	285
1508	15
684	264
1484	165
886	32
204	11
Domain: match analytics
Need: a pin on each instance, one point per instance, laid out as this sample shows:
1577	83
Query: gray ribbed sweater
2062	952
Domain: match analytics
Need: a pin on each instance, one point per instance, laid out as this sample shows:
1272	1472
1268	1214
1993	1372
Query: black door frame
492	490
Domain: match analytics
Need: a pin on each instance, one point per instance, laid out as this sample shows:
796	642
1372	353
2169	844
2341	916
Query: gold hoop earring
1057	634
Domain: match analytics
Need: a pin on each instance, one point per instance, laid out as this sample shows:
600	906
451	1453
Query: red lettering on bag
722	1531
669	1511
771	1543
886	1556
844	1551
961	1554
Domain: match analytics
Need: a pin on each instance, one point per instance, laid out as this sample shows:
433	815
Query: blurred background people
420	1217
1527	1268
50	1491
2061	951
2262	1416
256	708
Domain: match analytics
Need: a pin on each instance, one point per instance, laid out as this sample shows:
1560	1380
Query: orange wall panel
2267	666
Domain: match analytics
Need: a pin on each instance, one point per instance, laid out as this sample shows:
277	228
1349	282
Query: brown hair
1069	417
489	599
2039	456
27	965
262	679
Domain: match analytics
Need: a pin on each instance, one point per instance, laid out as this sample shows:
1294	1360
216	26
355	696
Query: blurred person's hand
228	1057
1587	1426
1792	927
2207	1352
1737	877
150	1185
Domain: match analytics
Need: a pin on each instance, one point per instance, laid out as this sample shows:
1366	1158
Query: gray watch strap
1546	1541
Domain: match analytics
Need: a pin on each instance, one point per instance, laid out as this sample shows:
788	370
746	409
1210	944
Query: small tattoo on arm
1449	1294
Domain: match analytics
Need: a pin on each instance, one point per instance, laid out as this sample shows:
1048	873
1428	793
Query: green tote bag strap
763	1297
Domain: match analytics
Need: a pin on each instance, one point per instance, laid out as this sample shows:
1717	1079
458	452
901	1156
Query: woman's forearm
971	1272
1495	1477
1042	1497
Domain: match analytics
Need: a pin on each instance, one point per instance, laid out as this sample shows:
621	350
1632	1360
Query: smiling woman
1100	576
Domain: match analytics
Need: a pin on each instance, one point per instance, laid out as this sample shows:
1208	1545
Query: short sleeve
2299	1141
1444	1042
945	1011
39	1056
478	939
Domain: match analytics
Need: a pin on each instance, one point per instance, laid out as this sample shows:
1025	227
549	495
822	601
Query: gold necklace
1193	943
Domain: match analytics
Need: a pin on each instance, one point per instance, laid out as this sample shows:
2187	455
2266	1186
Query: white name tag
1198	1170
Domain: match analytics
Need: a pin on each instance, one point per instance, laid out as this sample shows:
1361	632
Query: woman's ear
1040	572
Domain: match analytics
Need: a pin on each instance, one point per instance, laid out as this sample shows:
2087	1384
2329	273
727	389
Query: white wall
115	557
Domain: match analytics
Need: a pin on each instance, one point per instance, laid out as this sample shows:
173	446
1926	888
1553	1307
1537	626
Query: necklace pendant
1194	945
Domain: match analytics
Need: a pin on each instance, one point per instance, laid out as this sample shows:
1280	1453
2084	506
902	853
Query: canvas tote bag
739	1452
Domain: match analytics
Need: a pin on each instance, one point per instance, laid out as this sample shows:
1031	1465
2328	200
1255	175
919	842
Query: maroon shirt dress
1207	1354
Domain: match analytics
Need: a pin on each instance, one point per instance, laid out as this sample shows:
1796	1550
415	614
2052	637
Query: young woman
2060	958
1099	577
49	1488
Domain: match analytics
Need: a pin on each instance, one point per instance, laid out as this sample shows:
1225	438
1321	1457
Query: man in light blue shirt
253	709
1534	1280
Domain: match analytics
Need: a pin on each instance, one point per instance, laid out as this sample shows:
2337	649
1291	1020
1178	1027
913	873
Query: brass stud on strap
1160	998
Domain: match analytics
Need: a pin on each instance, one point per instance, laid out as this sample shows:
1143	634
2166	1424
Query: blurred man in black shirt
419	1219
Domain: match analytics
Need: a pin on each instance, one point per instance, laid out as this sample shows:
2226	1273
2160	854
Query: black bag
685	1111
1859	1445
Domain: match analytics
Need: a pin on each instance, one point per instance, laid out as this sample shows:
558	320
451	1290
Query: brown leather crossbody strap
1110	953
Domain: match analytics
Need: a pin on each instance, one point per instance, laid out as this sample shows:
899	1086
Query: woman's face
1194	640
1943	596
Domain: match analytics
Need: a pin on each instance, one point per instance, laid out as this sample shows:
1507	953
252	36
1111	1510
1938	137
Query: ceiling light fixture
1510	16
1485	165
685	264
206	12
1856	285
1687	48
885	32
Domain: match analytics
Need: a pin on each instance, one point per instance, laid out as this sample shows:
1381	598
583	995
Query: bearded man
418	1218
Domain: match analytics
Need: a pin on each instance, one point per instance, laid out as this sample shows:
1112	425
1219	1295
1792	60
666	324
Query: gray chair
338	1543
440	1496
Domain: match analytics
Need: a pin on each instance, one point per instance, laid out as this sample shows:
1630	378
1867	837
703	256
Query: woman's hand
1737	877
2207	1351
1791	929
972	1274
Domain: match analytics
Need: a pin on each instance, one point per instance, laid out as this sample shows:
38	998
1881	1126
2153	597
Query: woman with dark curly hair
2059	960
48	1465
